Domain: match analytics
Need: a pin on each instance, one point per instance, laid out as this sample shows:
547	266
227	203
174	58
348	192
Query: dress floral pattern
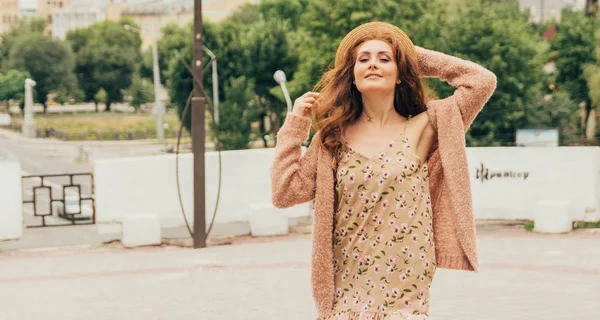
384	257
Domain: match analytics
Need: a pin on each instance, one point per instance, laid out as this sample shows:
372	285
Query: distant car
71	209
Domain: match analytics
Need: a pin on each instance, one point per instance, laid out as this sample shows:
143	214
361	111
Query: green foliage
174	39
140	92
496	36
50	63
556	111
245	14
8	39
108	55
66	96
101	96
586	225
236	114
300	37
574	47
289	11
592	75
272	39
256	52
12	85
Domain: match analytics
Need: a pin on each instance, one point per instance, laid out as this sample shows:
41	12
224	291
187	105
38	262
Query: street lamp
158	110
280	78
215	83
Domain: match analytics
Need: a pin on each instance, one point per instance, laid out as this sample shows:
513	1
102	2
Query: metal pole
198	134
215	83
288	100
158	109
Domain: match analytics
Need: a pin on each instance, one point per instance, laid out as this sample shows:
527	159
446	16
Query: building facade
9	14
153	15
46	7
83	13
549	10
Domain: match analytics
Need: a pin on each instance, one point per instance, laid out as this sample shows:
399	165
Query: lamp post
198	133
280	78
159	109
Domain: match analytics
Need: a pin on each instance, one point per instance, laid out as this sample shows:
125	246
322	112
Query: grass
110	127
586	225
529	225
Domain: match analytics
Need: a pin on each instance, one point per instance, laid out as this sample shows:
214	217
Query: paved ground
523	276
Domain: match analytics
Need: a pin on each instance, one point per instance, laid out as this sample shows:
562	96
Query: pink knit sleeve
293	175
474	84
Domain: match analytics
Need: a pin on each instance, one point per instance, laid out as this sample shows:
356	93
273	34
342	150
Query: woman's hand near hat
304	105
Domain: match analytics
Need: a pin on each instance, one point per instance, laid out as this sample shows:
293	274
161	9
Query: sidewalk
99	234
523	276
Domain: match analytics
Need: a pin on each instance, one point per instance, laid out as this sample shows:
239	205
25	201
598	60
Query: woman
387	171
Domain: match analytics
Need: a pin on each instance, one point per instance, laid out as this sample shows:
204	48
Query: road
523	276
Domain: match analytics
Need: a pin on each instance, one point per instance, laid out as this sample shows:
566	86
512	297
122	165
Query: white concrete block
5	119
553	217
141	230
266	220
11	205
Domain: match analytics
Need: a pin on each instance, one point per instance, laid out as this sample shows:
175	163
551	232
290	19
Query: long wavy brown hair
340	103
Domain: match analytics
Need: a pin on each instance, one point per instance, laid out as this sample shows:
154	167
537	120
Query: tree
12	85
245	14
574	47
64	95
108	55
100	97
7	40
592	75
556	111
224	40
268	47
50	63
495	36
174	39
290	11
140	92
236	114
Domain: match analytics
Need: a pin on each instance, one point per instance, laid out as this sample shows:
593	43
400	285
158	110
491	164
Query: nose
373	65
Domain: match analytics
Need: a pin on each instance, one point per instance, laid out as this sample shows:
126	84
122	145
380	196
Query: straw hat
374	29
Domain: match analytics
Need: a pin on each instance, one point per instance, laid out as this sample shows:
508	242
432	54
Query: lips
373	75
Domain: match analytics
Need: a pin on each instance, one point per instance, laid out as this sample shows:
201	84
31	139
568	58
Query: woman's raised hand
304	105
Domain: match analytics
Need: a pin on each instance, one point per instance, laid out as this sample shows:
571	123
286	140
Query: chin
379	89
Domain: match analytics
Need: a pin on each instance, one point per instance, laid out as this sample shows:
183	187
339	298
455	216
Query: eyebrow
380	52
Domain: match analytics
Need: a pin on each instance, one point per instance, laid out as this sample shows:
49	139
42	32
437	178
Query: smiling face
375	69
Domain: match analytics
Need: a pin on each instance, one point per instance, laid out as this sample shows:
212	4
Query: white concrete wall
147	185
539	174
11	207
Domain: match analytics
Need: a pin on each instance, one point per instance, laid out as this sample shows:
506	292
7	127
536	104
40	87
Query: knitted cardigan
297	178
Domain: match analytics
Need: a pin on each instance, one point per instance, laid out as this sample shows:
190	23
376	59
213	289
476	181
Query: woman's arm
293	175
474	84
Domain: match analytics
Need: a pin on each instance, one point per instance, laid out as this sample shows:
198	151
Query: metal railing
66	203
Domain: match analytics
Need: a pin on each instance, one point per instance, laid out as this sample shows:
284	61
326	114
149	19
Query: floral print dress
384	257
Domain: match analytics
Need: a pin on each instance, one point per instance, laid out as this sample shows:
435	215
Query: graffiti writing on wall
485	174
